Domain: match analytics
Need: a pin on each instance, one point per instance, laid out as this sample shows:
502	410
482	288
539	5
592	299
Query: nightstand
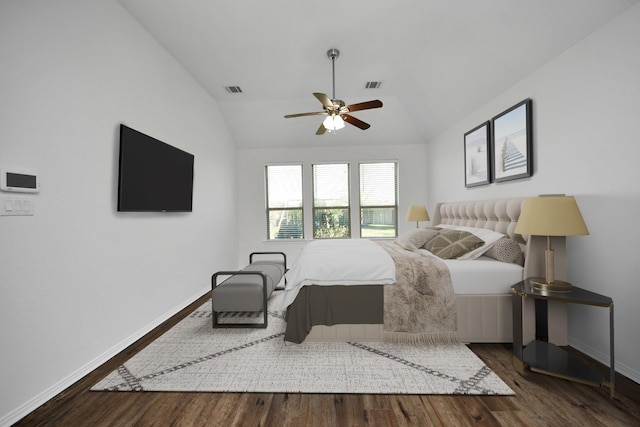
546	358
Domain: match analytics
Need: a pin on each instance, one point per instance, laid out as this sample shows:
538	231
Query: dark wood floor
540	401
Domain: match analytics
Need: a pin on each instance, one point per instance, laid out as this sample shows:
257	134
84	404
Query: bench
247	290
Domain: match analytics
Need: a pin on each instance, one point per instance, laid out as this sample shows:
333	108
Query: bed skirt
333	305
481	319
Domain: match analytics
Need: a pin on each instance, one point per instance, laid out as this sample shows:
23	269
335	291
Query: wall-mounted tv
154	176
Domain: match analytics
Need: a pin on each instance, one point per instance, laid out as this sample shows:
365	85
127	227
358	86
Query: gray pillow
506	250
417	237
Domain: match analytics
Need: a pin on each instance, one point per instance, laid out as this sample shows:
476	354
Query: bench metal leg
214	314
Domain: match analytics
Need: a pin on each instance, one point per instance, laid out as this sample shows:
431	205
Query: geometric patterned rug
194	357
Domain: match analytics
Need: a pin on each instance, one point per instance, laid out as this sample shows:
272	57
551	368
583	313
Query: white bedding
357	262
484	275
363	262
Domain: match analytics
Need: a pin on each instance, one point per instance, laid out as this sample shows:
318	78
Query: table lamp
417	213
554	215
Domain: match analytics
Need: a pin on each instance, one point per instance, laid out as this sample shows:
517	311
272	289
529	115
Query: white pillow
490	237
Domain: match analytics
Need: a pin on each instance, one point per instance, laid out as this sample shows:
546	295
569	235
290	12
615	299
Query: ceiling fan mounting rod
333	54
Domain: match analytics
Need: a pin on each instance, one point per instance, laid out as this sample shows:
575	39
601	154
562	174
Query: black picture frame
477	156
512	143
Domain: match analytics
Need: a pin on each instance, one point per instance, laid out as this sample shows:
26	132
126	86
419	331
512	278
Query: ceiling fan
335	109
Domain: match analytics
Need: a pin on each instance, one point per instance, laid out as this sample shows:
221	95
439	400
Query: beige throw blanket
420	307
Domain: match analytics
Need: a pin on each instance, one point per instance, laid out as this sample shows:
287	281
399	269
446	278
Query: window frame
269	209
315	208
362	207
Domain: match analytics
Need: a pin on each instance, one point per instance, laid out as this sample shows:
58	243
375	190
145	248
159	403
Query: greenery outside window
378	199
331	210
284	202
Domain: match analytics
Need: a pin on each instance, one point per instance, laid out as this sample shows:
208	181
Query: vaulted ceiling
438	60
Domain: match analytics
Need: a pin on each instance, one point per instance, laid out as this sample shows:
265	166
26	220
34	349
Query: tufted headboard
502	215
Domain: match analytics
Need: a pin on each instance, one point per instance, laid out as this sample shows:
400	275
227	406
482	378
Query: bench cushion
244	292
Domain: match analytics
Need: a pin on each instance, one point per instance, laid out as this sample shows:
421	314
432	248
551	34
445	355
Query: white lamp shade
551	216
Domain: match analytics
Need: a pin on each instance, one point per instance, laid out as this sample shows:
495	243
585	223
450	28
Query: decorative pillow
450	244
406	245
417	237
506	250
488	236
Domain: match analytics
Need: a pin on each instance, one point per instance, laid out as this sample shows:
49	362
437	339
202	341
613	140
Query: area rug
194	357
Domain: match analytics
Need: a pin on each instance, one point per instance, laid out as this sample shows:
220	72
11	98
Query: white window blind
284	202
378	199
331	210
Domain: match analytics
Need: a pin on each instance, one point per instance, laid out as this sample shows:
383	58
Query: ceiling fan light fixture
333	122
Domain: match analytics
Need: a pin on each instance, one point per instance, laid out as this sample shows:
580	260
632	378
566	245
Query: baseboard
40	399
604	358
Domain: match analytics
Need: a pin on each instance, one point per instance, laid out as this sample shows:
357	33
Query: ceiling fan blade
356	122
315	113
321	130
326	101
365	105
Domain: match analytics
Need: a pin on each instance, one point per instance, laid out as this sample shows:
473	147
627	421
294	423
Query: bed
481	301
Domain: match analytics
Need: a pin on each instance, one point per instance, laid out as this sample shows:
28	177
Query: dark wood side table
546	358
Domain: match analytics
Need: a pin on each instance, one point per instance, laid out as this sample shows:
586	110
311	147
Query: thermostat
19	180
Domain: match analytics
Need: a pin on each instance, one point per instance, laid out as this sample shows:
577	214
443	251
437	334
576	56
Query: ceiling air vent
233	89
372	85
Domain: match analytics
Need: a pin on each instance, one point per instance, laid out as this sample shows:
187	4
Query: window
284	202
329	195
331	218
378	200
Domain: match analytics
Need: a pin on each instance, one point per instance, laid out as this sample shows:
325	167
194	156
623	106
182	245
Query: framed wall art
477	170
512	143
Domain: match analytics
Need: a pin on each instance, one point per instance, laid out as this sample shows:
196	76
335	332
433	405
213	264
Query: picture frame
477	156
512	143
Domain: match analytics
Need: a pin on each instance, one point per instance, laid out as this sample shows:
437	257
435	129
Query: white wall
586	143
412	183
78	280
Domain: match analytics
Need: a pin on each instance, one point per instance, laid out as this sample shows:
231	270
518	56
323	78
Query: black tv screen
154	176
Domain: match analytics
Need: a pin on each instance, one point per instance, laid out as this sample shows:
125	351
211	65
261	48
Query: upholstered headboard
502	215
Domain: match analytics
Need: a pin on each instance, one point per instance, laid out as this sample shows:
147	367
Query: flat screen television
153	176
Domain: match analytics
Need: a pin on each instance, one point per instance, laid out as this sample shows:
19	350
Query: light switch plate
16	206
